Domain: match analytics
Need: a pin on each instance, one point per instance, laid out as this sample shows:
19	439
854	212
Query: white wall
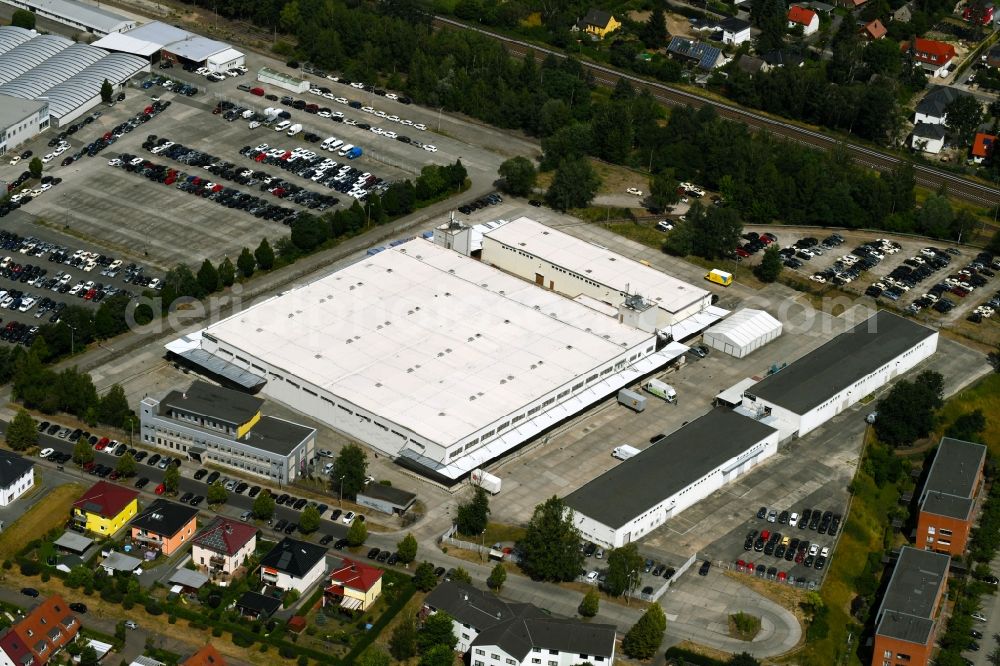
24	130
21	486
281	83
929	120
286	582
202	556
933	146
226	65
736	37
492	655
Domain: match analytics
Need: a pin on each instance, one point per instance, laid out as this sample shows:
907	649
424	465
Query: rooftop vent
260	330
441	414
378	384
409	369
451	270
318	356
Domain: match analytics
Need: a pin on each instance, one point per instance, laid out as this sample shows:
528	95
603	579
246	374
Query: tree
497	577
769	268
83	452
624	569
350	468
407	549
460	575
965	115
246	263
80	576
473	516
374	657
663	190
968	427
227	273
107	91
113	408
551	544
518	175
591	604
438	629
574	185
309	232
654	31
439	655
263	506
172	478
22	18
126	465
424	578
935	217
217	493
907	412
644	638
309	520
22	433
357	533
208	277
719	233
264	255
403	643
35	167
743	659
88	656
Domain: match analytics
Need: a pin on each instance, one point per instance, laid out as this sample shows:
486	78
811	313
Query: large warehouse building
20	120
157	41
76	14
438	359
832	378
55	69
639	495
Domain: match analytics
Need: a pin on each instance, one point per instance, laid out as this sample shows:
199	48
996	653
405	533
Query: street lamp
341	496
629	585
72	339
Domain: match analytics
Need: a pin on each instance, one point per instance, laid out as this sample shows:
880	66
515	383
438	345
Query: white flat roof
597	263
126	43
226	55
196	48
429	339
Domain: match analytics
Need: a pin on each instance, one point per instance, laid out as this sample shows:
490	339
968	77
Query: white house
807	18
928	138
293	565
497	633
224	545
734	31
17	476
933	108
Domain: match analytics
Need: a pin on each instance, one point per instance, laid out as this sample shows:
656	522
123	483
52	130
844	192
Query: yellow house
105	508
598	23
355	585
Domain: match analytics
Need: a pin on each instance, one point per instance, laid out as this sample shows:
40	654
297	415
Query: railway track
958	187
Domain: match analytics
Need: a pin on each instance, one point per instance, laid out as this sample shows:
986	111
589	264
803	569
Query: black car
783	518
393	559
815	519
241	487
140	456
748	542
820	562
300	504
77	607
976	634
383	556
200	474
291	528
281	499
187	497
198	499
141	483
212	478
153	460
327	538
834	525
373	553
439	572
280	525
804	520
762	513
705	566
254	491
335	515
29	591
340	544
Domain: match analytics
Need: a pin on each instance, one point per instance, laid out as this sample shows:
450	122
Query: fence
447	538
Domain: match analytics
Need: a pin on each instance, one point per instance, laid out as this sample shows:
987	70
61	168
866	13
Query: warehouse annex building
835	376
634	498
21	120
156	41
76	14
436	359
742	332
53	69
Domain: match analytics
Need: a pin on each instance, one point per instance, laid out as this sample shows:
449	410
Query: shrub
7	564
242	640
286	651
216	632
263	647
303	660
172	619
153	607
45	576
29	568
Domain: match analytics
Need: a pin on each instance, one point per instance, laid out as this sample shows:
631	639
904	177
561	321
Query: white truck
660	390
248	114
282	126
624	452
294	129
485	480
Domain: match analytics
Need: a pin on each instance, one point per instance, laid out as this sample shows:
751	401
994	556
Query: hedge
400	582
682	656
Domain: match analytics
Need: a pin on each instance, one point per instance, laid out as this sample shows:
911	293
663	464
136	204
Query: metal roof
196	48
910	599
11	36
220	367
28	55
35	82
85	85
951	482
744	327
158	33
126	43
79	12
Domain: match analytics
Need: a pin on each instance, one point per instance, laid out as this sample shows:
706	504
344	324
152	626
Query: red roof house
357	585
224	545
41	634
207	656
934	55
982	147
807	18
874	30
105	499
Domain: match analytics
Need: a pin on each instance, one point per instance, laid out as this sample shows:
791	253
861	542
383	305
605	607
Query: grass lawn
984	395
47	514
495	533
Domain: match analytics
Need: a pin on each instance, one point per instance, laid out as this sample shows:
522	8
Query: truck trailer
632	400
485	480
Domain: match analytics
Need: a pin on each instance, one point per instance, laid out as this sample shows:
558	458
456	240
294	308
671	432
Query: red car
89	466
160	489
740	565
89	296
765	535
102	444
742	253
259	92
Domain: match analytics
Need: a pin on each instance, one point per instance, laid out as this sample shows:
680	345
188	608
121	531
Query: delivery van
719	277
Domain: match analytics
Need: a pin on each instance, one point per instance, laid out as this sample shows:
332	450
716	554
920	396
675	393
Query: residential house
207	656
782	58
985	19
35	639
105	508
908	619
293	565
751	64
355	586
904	14
734	30
257	606
874	30
982	147
224	545
807	18
703	55
165	526
933	108
992	56
933	56
493	631
851	4
17	476
928	138
598	23
117	562
948	499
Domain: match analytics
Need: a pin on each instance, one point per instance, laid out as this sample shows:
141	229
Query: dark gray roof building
276	435
935	103
704	55
933	131
163	517
595	17
293	557
951	483
733	24
207	400
257	605
386	498
911	599
13	468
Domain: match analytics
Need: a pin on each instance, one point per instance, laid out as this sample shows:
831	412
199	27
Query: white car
340	100
315	91
48	158
359	86
14	160
429	148
368	109
44	187
348	517
406	122
825	552
391	96
664	225
45	453
976	615
389	135
324	114
635	191
254	125
420	126
814	549
167	84
793	520
592	577
381	114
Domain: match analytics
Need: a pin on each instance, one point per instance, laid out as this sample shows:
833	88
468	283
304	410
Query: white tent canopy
743	332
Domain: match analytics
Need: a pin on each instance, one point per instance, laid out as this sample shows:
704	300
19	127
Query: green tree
591	604
374	657
743	659
227	273
403	643
22	18
407	549
172	478
719	233
264	255
35	167
113	408
80	576
246	263
935	217
497	577
644	638
263	506
217	493
309	520
573	186
663	190
107	91
968	427
208	277
551	544
965	115
519	176
357	533
126	465
437	629
438	655
624	570
770	266
473	516
22	433
460	575
907	412
88	656
350	468
309	232
654	31
83	452
424	577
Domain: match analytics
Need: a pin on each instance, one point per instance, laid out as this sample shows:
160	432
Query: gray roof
935	103
30	54
259	603
277	435
596	17
36	81
908	605
518	628
12	468
219	366
222	404
828	370
952	479
74	541
782	58
293	557
750	64
164	518
143	660
120	562
11	36
706	55
733	24
196	48
158	33
397	496
930	131
188	578
98	18
667	467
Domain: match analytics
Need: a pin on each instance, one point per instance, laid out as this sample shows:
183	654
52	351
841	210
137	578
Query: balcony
217	562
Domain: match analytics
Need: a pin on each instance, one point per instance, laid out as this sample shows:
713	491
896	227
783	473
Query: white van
294	129
337	143
346	148
327	143
282	126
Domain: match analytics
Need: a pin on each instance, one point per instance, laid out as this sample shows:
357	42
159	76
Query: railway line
926	176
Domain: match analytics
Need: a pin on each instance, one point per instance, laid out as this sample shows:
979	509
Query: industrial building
835	376
76	14
438	360
21	120
282	80
68	76
949	497
634	498
211	424
742	332
156	41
